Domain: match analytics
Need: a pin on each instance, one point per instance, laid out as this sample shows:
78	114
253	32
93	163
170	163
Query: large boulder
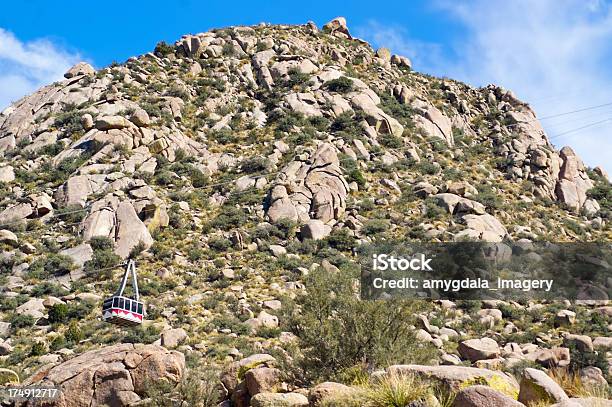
131	230
483	227
82	68
328	389
116	375
337	25
538	387
479	349
311	189
262	379
483	396
173	337
80	255
315	229
8	237
573	182
118	221
7	174
458	377
279	400
435	124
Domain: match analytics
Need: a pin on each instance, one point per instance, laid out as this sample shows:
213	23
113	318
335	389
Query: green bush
74	333
219	244
229	218
375	226
72	213
21	321
488	197
254	164
164	48
391	141
99	243
102	263
58	313
341	239
38	349
337	330
341	85
52	264
48	288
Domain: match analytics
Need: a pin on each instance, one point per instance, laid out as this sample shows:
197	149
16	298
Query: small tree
338	331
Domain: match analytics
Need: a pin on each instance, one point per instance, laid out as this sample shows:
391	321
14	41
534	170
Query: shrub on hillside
337	330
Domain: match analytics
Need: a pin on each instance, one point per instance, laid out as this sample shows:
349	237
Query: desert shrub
398	390
254	164
402	112
427	168
296	78
48	288
433	210
375	226
219	244
230	217
74	334
391	141
38	349
229	322
223	136
164	48
602	192
347	126
340	85
101	243
21	321
200	387
72	213
69	120
341	239
337	330
52	264
104	258
141	334
58	313
489	198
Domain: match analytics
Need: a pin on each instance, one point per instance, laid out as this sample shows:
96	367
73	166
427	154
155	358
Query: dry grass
575	387
397	390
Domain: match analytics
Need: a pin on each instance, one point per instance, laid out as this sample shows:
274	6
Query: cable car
121	310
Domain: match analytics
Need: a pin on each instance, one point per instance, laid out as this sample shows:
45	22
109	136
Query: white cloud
556	55
397	38
26	66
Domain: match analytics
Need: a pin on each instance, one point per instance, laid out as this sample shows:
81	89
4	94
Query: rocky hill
242	168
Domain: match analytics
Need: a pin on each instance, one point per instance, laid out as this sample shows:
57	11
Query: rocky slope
223	161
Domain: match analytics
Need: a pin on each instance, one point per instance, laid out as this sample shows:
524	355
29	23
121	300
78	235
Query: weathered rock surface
458	376
479	349
310	189
483	396
115	375
537	386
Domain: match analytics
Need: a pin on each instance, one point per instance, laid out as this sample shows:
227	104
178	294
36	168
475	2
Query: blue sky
555	54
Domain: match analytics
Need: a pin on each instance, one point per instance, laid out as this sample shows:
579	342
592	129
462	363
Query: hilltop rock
82	68
337	25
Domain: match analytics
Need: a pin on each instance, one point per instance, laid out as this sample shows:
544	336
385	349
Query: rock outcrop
116	375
